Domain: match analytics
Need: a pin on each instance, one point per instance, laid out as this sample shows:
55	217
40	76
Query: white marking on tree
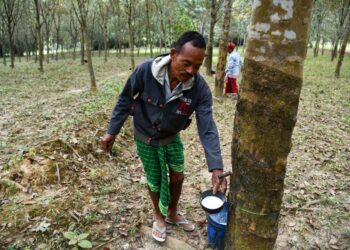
286	5
276	33
253	34
294	59
259	58
263	27
290	34
256	4
275	18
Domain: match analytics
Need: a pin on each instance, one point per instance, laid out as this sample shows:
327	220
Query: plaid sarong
155	161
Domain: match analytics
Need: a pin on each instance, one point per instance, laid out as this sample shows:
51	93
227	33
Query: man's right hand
107	142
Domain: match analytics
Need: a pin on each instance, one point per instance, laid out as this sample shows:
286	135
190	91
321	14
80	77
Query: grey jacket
157	121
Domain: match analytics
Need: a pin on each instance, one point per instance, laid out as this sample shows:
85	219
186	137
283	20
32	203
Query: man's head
231	46
187	56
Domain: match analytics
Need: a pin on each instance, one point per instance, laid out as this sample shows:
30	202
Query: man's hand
107	142
218	183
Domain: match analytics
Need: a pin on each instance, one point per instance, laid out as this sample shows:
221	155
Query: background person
234	64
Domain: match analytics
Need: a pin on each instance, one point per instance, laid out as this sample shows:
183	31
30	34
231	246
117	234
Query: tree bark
264	121
163	38
12	13
209	53
82	47
220	68
12	50
47	16
148	28
2	29
342	50
83	18
323	43
342	16
130	12
318	35
335	50
57	24
93	85
39	40
104	15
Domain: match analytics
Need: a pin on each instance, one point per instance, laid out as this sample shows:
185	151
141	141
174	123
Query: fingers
107	142
215	188
223	185
105	145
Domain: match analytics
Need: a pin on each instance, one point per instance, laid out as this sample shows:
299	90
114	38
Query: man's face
186	62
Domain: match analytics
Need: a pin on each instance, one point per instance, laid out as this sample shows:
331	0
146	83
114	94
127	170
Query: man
232	70
162	94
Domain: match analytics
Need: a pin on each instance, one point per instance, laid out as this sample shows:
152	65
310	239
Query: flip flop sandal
185	224
158	233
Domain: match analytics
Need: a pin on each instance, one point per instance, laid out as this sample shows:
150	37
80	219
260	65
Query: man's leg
151	164
176	181
175	185
158	217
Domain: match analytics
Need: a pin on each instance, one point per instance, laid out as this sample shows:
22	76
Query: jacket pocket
149	99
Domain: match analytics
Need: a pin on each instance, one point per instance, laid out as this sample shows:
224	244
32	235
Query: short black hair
196	39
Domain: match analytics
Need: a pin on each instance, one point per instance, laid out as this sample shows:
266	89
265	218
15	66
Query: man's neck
172	79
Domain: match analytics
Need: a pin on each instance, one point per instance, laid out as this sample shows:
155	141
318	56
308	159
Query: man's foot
179	220
158	232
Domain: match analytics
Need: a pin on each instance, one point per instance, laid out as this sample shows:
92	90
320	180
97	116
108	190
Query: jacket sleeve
122	109
207	130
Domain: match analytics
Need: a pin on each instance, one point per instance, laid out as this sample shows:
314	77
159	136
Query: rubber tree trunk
209	53
12	49
323	43
220	68
82	47
318	34
93	85
130	14
342	51
335	50
39	39
105	39
3	46
265	118
47	40
148	28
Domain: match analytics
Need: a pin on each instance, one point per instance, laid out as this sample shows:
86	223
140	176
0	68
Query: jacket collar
160	66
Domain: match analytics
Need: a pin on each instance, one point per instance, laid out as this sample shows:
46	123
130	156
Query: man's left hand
218	183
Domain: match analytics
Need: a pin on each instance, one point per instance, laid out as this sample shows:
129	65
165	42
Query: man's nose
190	70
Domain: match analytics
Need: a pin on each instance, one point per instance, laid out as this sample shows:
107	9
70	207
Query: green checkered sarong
155	161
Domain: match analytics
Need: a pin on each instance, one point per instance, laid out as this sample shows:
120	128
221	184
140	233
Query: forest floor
55	179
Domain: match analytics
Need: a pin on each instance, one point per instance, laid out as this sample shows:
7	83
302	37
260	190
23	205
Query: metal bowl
218	194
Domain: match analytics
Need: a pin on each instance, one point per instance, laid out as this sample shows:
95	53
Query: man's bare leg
158	217
175	186
176	181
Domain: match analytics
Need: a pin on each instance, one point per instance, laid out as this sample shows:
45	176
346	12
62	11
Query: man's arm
209	137
121	110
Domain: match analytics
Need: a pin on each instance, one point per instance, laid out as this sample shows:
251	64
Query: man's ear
173	53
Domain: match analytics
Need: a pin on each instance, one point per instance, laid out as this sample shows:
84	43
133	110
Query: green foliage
182	23
77	240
